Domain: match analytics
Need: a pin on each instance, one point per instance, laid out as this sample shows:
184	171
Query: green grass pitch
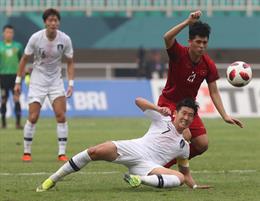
231	165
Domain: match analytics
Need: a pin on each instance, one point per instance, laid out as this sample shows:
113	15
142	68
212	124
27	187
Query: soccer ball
239	74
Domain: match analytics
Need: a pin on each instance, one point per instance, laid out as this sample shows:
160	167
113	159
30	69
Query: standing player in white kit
48	46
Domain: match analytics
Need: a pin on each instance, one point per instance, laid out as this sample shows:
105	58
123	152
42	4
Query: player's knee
33	118
205	148
181	178
101	152
60	116
202	148
93	153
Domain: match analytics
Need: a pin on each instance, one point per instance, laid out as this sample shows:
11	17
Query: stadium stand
129	7
3	19
130	33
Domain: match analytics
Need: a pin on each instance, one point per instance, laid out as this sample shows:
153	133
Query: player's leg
199	140
159	177
17	105
36	97
29	129
59	108
4	98
106	151
198	145
5	86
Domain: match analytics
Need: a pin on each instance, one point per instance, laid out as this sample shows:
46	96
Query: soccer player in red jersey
188	67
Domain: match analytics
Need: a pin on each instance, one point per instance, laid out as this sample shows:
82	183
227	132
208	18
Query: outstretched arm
70	74
22	65
169	36
144	104
20	73
215	96
183	166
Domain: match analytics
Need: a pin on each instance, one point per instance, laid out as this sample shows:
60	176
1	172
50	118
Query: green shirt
10	55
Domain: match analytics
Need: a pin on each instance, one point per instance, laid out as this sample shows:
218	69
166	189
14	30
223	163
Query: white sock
28	133
161	181
74	164
62	133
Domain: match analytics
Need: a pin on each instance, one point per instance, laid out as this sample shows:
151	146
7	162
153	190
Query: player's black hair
188	102
8	26
199	29
50	11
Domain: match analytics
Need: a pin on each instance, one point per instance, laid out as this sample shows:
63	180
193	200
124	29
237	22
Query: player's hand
234	121
165	111
194	17
187	134
17	89
69	91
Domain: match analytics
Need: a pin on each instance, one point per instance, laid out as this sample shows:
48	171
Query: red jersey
185	77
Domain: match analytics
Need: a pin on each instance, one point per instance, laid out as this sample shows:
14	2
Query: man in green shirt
10	54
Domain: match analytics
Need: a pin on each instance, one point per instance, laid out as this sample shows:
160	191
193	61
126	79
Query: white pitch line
49	173
117	172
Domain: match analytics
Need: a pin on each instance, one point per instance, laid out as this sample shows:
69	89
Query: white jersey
160	144
47	56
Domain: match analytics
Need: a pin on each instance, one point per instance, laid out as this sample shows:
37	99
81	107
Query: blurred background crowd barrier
122	40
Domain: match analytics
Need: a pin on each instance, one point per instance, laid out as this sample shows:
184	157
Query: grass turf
231	165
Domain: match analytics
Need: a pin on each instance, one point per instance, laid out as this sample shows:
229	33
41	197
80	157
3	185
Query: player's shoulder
63	35
177	46
38	34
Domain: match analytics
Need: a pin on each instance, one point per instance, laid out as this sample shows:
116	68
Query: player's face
184	117
52	23
198	45
8	34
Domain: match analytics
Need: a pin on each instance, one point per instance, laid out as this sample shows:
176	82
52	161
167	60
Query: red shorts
197	127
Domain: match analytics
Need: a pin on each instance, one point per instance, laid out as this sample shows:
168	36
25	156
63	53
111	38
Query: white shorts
132	157
38	93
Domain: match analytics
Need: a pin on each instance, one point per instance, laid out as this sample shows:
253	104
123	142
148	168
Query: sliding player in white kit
144	156
48	46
